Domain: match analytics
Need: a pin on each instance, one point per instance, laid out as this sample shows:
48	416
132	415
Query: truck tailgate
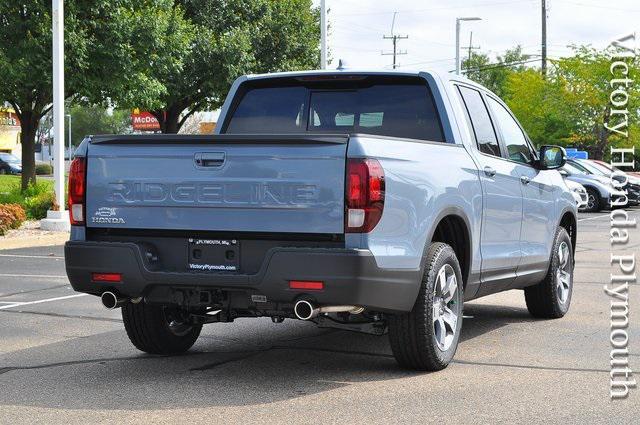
217	183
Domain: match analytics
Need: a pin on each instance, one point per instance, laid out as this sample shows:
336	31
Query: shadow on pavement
246	366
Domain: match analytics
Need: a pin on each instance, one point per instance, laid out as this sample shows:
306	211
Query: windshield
606	170
594	168
579	167
7	157
382	106
572	169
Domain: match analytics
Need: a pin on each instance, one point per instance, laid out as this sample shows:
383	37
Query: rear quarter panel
424	182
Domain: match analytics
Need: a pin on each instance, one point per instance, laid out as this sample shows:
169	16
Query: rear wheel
550	299
593	200
427	337
159	329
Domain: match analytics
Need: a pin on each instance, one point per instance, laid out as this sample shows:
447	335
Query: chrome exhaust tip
111	301
304	310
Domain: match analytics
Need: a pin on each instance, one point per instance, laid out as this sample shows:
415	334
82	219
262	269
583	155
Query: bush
36	200
11	217
42	168
37	206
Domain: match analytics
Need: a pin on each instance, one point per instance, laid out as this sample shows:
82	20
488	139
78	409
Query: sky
357	27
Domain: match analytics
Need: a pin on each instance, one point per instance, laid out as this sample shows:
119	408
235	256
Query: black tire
551	298
593	200
413	335
149	330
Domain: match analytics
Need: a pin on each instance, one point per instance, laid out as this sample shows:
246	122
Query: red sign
144	121
9	118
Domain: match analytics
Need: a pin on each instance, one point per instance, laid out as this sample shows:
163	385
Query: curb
58	238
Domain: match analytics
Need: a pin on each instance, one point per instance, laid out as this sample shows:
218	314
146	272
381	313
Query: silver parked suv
367	201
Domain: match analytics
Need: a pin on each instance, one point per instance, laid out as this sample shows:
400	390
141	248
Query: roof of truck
346	71
443	76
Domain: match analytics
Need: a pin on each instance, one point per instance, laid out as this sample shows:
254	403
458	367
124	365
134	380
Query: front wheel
593	200
550	299
159	329
426	338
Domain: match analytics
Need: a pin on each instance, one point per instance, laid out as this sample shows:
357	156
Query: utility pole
471	46
458	20
323	34
544	38
394	38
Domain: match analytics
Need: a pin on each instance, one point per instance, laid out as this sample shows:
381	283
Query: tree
98	55
203	45
539	105
494	75
586	77
87	120
571	106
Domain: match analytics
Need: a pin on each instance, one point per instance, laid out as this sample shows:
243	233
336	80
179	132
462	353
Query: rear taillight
76	197
365	195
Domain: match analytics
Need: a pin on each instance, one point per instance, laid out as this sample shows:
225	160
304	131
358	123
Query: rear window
405	110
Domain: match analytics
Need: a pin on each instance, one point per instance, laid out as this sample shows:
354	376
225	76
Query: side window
480	121
514	139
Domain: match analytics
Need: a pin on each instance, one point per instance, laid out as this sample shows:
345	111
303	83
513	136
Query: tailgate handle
209	159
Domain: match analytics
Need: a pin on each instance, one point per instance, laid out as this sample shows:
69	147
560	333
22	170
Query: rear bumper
350	276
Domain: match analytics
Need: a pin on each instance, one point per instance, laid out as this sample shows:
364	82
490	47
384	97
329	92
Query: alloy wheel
563	273
446	307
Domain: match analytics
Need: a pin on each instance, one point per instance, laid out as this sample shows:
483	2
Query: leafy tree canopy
198	47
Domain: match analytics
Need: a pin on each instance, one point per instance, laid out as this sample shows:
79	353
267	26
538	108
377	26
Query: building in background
9	132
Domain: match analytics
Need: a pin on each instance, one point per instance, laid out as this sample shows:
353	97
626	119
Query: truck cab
366	200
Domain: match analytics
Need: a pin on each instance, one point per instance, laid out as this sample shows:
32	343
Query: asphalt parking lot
63	358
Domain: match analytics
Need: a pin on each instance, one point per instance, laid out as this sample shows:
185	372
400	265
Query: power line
394	37
471	46
502	64
427	62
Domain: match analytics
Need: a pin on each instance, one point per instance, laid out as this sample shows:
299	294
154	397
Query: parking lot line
32	256
46	300
593	218
47	276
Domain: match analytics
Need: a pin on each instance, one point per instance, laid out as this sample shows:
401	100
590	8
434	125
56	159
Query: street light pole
323	34
458	20
58	220
70	144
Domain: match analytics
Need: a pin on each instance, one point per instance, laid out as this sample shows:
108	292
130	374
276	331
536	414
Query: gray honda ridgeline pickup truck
367	201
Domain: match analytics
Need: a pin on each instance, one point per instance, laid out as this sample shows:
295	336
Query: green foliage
43	169
539	106
97	56
90	120
493	76
36	200
571	105
192	51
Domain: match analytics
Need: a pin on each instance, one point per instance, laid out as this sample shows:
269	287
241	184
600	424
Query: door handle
525	179
209	159
489	171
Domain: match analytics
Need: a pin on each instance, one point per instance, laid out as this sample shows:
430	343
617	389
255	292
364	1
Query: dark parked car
10	164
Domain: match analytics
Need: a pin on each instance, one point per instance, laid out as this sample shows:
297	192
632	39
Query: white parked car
579	193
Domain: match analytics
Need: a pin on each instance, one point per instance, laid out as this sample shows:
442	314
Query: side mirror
552	157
